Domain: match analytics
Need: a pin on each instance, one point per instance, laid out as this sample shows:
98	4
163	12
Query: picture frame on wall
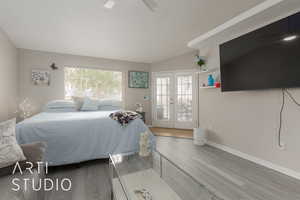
40	77
138	79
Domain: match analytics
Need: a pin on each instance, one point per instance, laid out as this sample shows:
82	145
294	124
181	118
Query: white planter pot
200	136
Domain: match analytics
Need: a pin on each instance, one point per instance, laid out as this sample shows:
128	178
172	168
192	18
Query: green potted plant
201	62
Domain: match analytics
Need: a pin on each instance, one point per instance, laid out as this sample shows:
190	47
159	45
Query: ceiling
127	32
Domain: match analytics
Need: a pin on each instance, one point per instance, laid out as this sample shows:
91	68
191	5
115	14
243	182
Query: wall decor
137	79
25	109
40	77
53	66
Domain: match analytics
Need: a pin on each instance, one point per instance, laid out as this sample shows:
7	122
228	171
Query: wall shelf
207	71
207	87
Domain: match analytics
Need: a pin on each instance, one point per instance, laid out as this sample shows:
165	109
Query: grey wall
247	121
182	62
8	78
39	95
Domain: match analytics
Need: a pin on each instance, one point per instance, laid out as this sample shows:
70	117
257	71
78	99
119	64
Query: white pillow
61	104
110	102
78	102
10	151
109	108
89	104
60	110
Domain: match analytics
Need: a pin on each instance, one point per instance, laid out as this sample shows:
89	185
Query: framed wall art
138	79
40	77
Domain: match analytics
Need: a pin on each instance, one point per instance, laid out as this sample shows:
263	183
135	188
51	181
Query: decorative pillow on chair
89	104
10	151
34	153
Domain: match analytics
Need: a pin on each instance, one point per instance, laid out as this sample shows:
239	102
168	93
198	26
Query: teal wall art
138	79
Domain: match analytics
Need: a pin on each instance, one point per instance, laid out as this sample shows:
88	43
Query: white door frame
173	123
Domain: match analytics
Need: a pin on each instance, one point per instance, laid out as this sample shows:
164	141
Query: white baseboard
256	160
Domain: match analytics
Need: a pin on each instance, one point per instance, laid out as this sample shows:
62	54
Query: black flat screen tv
265	58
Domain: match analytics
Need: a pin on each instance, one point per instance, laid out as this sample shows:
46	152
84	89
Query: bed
74	137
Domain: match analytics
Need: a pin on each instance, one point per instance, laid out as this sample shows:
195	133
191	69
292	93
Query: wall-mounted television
265	58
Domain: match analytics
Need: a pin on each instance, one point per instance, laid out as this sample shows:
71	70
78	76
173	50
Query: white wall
8	78
39	95
182	62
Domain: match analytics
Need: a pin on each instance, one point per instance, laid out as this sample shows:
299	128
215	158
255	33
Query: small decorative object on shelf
144	145
210	81
217	84
139	107
143	115
201	62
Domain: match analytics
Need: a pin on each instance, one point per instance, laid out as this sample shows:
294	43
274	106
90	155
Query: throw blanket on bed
124	117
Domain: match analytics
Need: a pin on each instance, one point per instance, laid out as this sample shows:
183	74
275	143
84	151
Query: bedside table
143	114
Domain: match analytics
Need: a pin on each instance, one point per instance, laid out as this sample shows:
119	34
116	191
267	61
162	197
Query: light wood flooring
90	181
171	132
230	177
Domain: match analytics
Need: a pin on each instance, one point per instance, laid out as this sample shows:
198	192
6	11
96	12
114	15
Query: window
93	83
185	98
163	98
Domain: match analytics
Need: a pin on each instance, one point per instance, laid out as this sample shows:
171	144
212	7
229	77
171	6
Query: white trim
241	17
256	160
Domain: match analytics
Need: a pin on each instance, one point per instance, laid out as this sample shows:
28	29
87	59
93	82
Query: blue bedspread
74	137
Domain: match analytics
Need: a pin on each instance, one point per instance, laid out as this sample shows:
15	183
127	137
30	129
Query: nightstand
143	114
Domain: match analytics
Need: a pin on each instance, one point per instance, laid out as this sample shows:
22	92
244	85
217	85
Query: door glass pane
184	98
163	98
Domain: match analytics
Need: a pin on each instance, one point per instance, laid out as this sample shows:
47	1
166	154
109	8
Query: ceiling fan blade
151	4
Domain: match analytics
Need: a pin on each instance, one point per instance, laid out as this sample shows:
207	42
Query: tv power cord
284	93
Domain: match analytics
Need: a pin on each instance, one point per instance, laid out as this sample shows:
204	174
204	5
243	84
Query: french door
174	100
